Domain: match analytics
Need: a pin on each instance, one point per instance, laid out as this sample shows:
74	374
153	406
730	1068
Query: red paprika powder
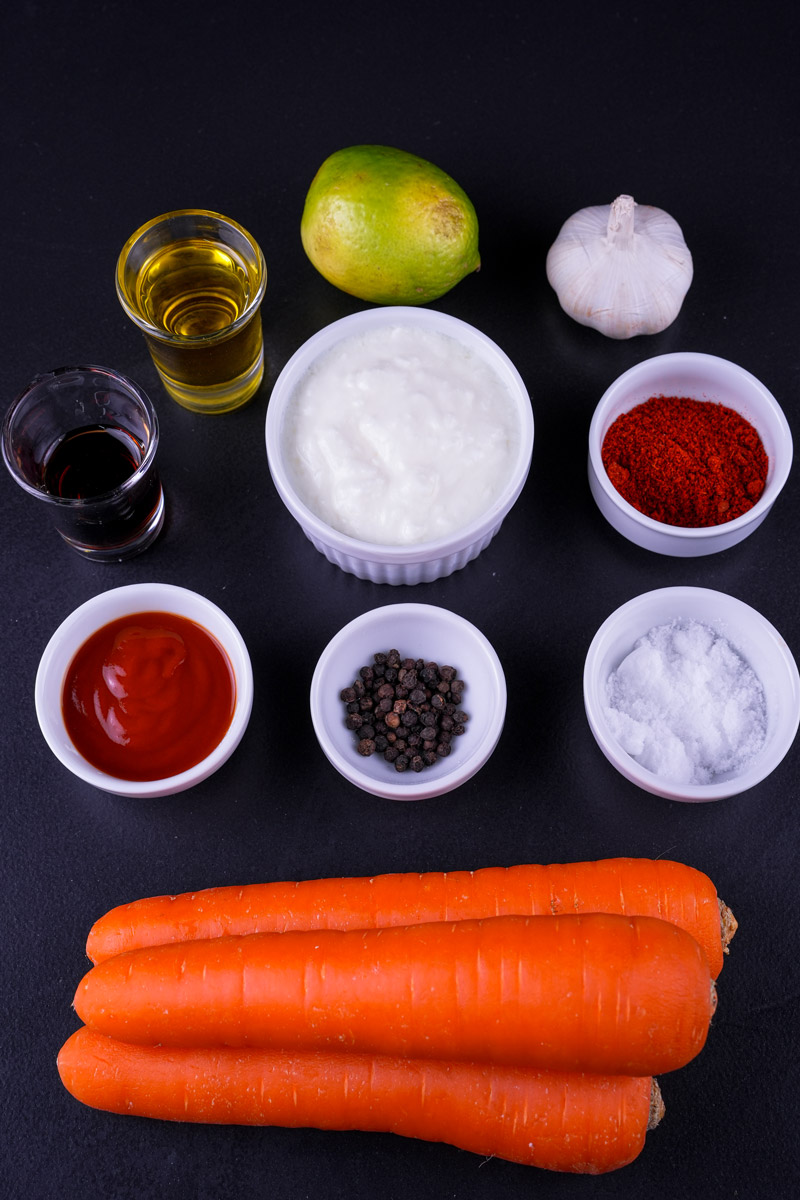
686	462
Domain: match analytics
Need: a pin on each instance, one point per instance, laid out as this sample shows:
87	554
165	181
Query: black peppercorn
418	699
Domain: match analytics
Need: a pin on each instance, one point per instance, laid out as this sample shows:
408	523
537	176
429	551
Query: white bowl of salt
691	694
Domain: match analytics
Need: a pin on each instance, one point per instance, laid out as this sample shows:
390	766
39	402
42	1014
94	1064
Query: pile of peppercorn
406	709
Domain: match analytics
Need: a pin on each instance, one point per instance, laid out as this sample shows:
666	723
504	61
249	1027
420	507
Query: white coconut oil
400	435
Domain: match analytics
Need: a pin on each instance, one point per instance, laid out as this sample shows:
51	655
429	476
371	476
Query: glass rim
202	339
101	497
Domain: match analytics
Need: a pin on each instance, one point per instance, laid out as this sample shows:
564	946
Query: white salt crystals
686	706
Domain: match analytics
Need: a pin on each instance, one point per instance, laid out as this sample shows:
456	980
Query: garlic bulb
621	271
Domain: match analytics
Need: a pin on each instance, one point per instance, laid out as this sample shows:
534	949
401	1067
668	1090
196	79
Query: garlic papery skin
622	268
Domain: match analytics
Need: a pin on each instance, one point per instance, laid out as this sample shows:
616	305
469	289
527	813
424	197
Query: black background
112	114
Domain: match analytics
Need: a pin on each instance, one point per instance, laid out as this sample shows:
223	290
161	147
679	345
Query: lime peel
389	227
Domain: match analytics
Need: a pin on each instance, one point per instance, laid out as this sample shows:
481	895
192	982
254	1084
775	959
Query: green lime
388	227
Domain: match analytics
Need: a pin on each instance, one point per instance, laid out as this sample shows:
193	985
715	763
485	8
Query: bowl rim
412	787
324	339
64	643
782	464
762	765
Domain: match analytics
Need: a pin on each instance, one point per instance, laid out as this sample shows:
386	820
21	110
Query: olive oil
193	282
193	289
196	293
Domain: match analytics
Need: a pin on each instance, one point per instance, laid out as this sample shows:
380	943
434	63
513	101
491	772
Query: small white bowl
403	564
93	615
756	640
701	377
416	631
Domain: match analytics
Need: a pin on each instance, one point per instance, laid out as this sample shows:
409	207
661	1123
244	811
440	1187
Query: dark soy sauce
90	462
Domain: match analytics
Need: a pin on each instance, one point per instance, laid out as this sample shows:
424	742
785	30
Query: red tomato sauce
148	696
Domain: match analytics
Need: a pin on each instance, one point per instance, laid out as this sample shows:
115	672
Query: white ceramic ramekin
700	377
416	631
756	640
410	564
93	615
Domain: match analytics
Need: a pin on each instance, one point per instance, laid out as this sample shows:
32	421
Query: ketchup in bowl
148	696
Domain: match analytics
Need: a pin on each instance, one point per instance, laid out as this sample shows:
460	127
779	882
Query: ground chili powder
685	462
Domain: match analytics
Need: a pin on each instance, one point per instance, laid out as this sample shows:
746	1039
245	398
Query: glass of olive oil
193	282
83	440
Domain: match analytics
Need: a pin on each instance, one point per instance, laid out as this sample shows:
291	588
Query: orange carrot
631	886
561	1122
591	992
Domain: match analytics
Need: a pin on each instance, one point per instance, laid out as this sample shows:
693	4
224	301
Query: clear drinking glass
193	282
83	440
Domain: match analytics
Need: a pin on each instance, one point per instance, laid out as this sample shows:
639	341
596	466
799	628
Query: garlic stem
620	219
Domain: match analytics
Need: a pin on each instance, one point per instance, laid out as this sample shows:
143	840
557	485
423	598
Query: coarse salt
686	705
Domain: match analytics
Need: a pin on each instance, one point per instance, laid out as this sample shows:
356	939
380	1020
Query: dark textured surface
110	118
